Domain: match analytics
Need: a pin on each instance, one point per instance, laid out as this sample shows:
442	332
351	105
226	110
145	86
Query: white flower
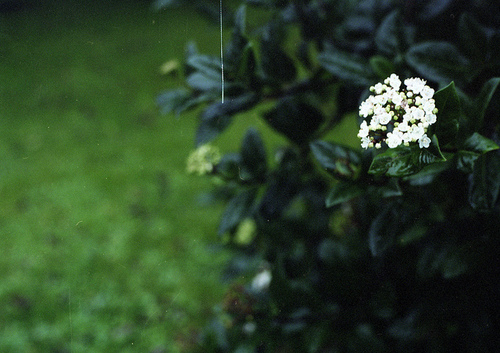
379	88
366	108
424	141
416	132
261	281
385	118
249	327
363	130
427	92
365	142
394	81
403	126
396	114
415	84
394	139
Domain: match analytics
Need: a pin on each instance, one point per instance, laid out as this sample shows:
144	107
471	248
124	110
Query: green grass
104	246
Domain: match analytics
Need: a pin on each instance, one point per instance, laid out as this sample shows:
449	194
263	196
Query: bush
390	247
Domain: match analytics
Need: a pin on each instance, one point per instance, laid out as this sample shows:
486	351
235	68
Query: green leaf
347	67
340	161
395	162
342	192
473	37
277	66
388	38
173	101
389	189
480	144
404	161
438	61
448	116
229	166
238	208
485	183
217	117
203	82
295	119
483	100
381	66
253	156
465	160
206	64
382	233
240	19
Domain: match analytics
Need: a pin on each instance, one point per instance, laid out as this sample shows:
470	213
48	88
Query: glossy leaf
347	67
253	157
473	37
382	233
483	100
277	66
465	160
480	144
449	114
438	61
485	182
340	161
388	37
238	208
342	192
404	161
381	66
217	117
295	119
173	101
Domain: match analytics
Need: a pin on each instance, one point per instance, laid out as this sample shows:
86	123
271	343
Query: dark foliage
395	250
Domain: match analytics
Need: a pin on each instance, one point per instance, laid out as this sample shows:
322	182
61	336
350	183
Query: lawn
105	245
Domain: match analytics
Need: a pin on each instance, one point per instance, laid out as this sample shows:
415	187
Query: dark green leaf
480	144
172	101
485	182
217	117
203	82
346	66
382	233
238	208
389	189
340	161
247	66
381	66
405	161
449	115
388	37
240	18
277	66
465	160
438	61
432	8
295	119
342	192
253	157
229	166
210	66
473	37
483	100
394	162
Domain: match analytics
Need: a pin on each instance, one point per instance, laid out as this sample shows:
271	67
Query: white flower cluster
397	115
202	160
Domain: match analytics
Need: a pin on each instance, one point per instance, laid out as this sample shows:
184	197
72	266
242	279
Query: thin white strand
221	53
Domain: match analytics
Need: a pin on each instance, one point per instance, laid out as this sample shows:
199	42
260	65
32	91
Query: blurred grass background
103	246
104	243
